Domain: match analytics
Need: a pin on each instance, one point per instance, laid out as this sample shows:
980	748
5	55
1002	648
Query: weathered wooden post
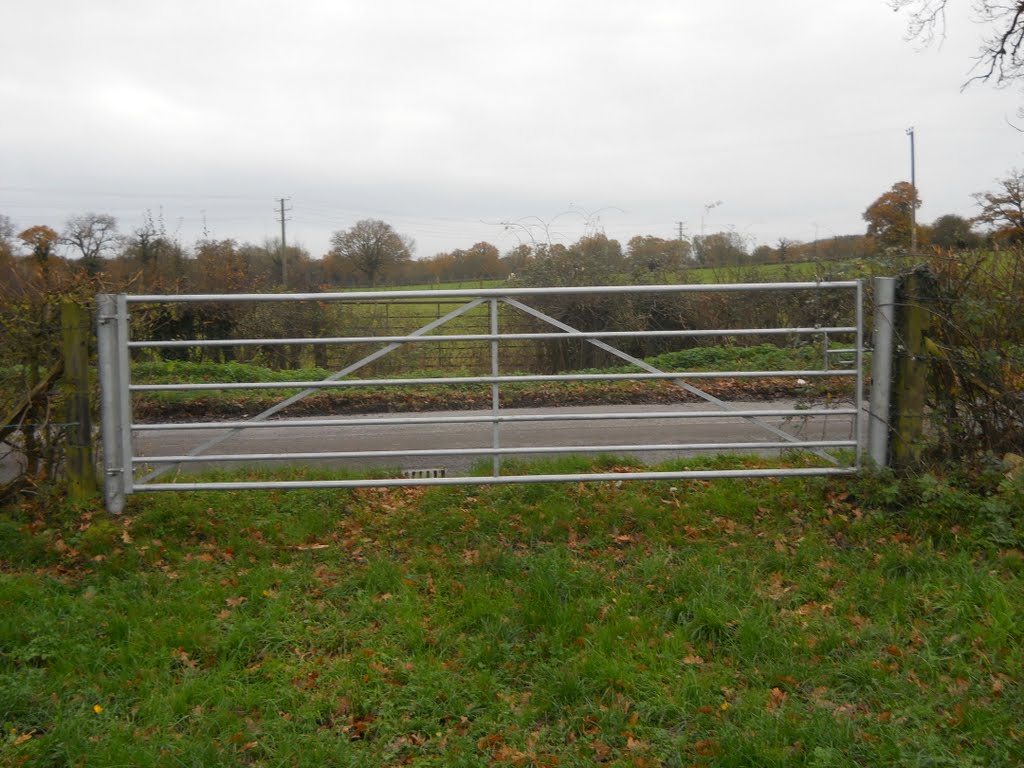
914	317
78	437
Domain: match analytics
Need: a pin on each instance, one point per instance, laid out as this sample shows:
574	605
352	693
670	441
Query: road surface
369	435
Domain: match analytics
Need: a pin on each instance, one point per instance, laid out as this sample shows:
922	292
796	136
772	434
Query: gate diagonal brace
372	357
680	382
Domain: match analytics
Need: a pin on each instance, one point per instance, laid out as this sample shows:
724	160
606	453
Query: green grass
725	623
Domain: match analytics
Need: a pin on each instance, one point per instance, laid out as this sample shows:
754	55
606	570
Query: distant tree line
371	253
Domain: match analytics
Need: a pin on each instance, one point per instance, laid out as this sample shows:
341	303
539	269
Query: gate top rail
463	293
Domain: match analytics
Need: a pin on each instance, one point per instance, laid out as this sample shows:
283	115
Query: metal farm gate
147	454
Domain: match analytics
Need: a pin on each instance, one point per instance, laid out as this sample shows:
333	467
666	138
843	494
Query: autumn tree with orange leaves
890	217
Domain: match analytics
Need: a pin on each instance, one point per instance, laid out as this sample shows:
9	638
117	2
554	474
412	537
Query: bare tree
1003	210
370	247
1000	58
92	235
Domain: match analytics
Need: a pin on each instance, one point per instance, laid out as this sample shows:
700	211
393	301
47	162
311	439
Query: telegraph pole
913	194
284	253
680	226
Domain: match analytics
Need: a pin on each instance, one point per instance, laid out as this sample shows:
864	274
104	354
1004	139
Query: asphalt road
369	435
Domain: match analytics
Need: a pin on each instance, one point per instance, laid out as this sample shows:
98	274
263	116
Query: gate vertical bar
110	421
124	375
881	371
495	394
858	395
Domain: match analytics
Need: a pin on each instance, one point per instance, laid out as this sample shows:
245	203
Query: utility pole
680	226
284	253
913	194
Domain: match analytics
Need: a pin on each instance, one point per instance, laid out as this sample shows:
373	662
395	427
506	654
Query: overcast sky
447	118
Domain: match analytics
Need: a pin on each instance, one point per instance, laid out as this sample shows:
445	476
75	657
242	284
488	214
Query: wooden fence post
914	313
75	322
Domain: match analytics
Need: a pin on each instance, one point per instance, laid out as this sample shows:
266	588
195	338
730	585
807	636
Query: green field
724	623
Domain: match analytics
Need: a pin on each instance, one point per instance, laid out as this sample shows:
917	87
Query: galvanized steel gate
128	472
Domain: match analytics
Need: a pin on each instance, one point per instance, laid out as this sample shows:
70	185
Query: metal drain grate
417	474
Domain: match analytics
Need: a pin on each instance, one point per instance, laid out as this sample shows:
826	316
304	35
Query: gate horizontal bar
697	474
483	337
489	380
421	420
539	449
393	296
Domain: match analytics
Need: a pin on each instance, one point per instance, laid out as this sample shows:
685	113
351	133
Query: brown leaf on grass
692	659
810	608
634	745
234	602
359	728
181	656
306	682
706	748
776	699
490	741
725	524
777	588
602	752
517	702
